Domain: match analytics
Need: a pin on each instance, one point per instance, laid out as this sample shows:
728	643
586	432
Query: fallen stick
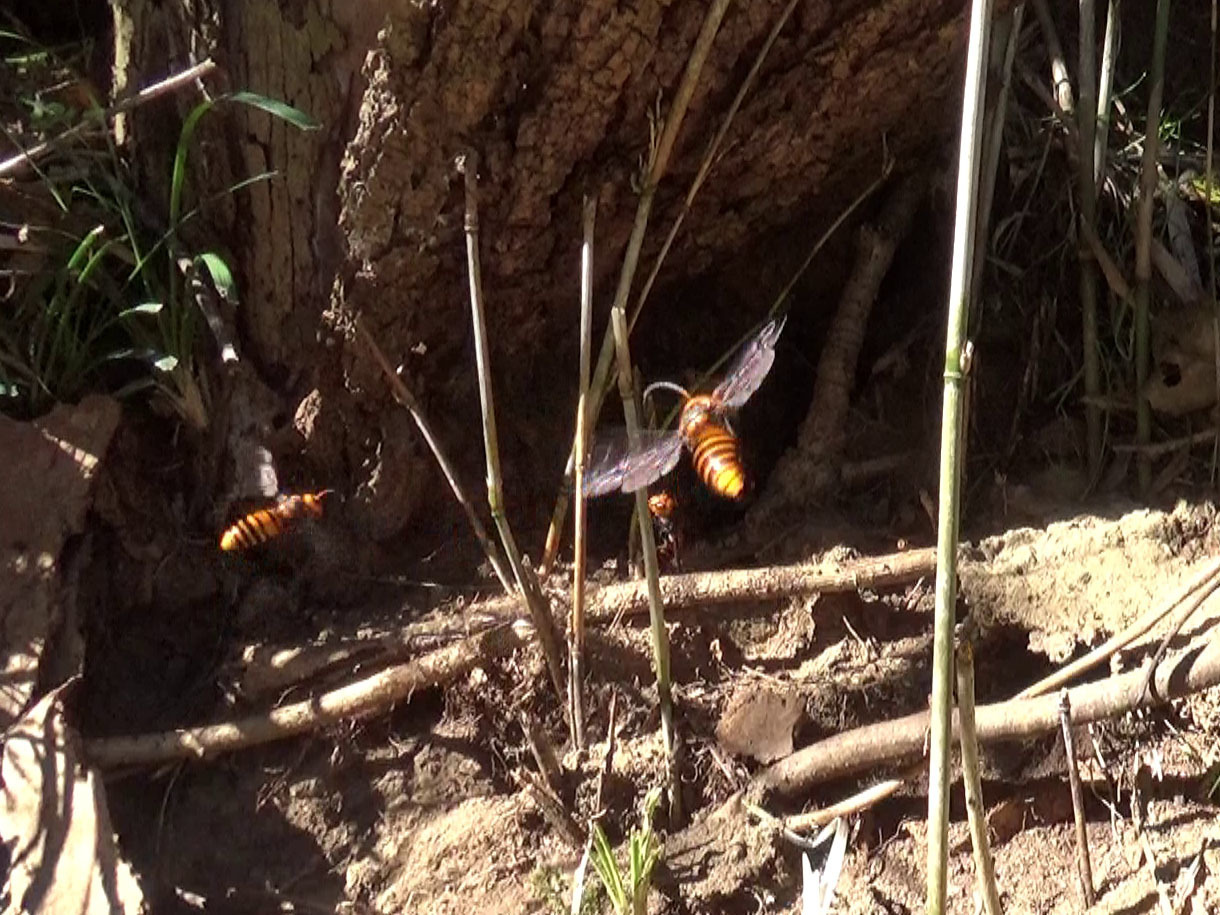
702	589
270	670
891	742
361	699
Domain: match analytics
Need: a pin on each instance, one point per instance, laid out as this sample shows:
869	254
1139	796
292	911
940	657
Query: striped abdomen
269	523
715	451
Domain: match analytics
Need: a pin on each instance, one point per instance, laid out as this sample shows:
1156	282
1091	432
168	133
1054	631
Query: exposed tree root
361	699
892	742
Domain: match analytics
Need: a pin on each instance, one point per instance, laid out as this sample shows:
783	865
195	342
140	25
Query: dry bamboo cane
407	400
576	627
540	613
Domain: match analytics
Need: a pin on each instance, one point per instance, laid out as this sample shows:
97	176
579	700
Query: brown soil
423	810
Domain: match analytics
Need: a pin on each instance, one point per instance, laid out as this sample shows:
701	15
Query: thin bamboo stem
709	158
576	626
1143	240
994	144
951	454
544	623
1086	120
658	164
1083	864
407	400
656	608
1110	45
984	864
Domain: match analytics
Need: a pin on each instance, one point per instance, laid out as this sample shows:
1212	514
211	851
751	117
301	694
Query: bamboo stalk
951	455
1143	240
984	864
576	626
407	400
1086	128
1111	43
709	159
656	608
544	623
1083	865
658	164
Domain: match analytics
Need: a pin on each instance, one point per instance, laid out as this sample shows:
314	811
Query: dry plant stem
408	401
1060	81
1143	239
858	802
1083	865
551	808
1086	188
362	699
576	624
544	623
704	590
658	163
951	462
1199	589
1195	668
542	751
147	94
1007	37
984	864
1105	88
656	608
709	159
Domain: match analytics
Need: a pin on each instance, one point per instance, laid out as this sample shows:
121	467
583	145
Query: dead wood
362	699
891	742
697	590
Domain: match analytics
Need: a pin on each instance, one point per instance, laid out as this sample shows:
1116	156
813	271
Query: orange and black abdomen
268	523
716	453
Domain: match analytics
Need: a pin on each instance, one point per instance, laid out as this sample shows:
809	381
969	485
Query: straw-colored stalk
709	159
544	623
407	400
1007	39
1143	239
576	626
951	454
656	608
1086	185
984	864
1110	45
658	163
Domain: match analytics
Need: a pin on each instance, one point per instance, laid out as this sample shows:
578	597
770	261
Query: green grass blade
276	108
221	275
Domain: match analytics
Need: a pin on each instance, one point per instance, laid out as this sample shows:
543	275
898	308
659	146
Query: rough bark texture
556	97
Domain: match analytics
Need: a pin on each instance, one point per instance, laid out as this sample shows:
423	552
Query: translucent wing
255	471
614	466
751	366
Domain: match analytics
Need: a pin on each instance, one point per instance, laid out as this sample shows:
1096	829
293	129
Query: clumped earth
431	807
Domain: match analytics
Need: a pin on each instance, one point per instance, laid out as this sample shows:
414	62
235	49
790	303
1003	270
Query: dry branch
891	742
703	589
362	699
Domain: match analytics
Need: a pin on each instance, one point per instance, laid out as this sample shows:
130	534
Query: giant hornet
265	524
703	427
663	508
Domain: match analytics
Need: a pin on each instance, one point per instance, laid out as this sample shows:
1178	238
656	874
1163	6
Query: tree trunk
366	216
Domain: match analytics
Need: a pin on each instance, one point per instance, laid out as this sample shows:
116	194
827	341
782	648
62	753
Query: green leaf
222	276
276	108
166	363
145	308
